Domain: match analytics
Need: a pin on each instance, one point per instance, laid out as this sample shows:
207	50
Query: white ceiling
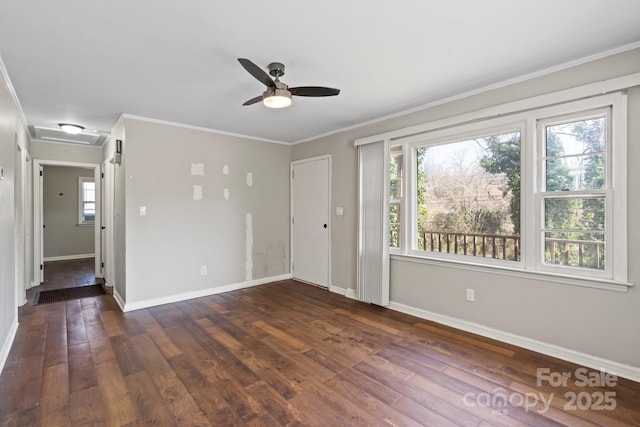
87	62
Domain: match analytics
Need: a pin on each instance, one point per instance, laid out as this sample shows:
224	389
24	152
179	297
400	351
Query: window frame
442	137
81	202
542	194
528	122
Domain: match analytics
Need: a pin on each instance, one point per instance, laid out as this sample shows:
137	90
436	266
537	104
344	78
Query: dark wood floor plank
355	395
275	405
179	402
205	391
255	355
147	400
86	408
119	408
277	354
81	368
53	408
127	360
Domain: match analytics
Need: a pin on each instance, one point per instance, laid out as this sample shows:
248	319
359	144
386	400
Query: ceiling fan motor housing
276	69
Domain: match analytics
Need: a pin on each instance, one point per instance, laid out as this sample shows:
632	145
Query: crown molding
125	116
12	92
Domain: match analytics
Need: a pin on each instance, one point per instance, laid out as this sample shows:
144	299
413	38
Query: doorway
310	220
85	216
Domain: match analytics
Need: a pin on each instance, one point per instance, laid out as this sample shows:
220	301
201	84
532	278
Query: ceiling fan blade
257	72
253	100
313	91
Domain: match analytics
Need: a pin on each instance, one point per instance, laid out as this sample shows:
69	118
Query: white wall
41	150
118	232
599	323
11	130
63	236
166	248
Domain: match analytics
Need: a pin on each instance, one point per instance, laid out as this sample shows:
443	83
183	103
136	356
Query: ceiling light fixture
71	128
276	98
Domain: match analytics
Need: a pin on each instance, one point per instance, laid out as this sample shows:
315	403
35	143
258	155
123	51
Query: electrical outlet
203	270
143	210
471	294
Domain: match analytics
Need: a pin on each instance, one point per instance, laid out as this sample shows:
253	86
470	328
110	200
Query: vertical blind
373	223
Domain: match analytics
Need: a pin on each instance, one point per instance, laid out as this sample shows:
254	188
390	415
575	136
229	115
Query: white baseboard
68	257
137	305
347	292
119	299
594	362
8	342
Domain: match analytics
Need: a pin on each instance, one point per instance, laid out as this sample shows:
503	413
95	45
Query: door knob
324	226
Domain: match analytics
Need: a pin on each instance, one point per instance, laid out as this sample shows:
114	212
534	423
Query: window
529	192
574	191
468	197
395	195
86	200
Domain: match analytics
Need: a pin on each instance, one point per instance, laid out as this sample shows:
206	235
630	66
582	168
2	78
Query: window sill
609	285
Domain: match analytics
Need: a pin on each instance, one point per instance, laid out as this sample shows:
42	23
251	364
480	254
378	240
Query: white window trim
81	181
530	266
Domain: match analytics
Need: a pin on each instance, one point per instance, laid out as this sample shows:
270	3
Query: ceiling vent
86	137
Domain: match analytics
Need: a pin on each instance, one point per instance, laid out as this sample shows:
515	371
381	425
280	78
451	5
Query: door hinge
101	174
41	267
102	265
293	174
40	173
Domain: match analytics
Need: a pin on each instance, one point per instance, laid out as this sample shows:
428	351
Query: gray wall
165	248
10	126
597	322
62	235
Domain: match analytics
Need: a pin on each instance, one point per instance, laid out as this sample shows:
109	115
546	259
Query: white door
310	228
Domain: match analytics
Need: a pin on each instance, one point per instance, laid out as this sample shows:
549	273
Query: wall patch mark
197	169
248	265
197	192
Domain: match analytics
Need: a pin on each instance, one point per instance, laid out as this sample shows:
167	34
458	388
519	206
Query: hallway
65	274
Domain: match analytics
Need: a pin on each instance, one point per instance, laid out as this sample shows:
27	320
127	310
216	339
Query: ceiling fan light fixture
71	128
277	98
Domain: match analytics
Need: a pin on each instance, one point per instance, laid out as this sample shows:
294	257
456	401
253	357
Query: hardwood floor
279	354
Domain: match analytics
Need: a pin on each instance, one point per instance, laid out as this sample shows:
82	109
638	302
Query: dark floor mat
66	294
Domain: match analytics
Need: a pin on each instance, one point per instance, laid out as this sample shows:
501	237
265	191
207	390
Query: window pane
584	250
394	225
468	197
576	138
574	213
576	173
88	191
89	207
395	173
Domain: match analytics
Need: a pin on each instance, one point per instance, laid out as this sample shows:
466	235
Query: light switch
339	211
143	210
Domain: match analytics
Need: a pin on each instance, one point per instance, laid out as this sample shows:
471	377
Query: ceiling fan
278	94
